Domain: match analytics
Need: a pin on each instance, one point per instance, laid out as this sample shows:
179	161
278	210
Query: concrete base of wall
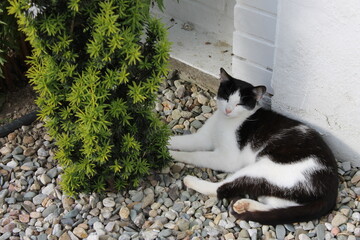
196	47
192	74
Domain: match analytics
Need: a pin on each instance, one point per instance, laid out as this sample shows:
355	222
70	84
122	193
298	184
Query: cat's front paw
179	156
172	144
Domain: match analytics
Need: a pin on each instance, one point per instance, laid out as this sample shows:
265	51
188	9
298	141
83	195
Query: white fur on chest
224	137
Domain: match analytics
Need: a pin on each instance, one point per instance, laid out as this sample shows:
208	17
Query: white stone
108	202
12	164
303	237
5	150
338	220
49	189
45	179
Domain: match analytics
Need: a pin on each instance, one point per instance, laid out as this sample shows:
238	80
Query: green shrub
97	66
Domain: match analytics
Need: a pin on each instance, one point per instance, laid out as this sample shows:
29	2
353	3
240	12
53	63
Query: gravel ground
32	205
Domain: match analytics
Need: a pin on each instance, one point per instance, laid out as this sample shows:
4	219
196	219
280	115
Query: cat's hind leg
244	205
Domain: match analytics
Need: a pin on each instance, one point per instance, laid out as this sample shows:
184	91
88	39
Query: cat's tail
293	214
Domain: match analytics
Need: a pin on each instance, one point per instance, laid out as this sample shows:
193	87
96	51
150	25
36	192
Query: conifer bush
97	66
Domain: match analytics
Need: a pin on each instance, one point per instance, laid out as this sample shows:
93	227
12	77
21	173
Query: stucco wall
254	41
316	74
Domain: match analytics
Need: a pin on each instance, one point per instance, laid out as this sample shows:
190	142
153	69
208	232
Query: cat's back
284	139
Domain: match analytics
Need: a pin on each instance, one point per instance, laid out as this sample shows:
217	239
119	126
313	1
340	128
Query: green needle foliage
96	66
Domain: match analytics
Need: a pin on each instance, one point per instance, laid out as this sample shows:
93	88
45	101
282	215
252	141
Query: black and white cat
282	169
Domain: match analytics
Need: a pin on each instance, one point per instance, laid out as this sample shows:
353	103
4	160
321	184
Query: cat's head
235	96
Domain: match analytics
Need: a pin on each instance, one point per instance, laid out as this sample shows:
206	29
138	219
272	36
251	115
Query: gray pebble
165	233
133	214
12	164
49	210
183	224
280	231
10	200
137	197
206	109
139	220
289	227
125	236
320	231
17	151
29	196
57	230
73	213
42	236
19	157
178	206
147	234
171	215
52	173
185	195
309	226
42	152
211	231
168	202
93	220
5	236
49	189
38	199
196	124
174	192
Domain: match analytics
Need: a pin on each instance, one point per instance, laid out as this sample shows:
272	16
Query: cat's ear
259	92
224	76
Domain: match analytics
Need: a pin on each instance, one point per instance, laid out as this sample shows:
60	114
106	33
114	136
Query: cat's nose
228	110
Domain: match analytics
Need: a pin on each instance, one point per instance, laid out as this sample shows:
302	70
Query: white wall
254	41
317	69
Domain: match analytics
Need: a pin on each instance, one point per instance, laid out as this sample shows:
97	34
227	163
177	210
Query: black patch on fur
230	86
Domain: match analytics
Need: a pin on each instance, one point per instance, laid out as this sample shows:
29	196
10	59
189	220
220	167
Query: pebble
73	213
52	173
108	202
42	152
202	99
171	215
303	237
45	179
147	200
196	124
338	220
320	231
48	210
183	224
18	150
49	189
37	200
280	231
210	202
80	232
165	233
137	197
124	212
